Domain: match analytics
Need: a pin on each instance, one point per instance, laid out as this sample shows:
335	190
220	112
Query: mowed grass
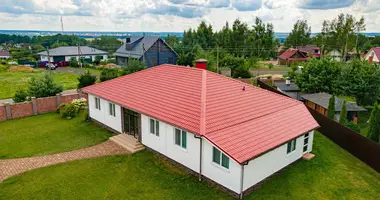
47	134
10	82
332	174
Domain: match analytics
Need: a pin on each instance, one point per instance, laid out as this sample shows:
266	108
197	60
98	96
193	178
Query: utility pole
79	62
62	25
217	59
48	53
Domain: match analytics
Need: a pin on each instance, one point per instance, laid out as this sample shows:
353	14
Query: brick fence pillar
58	100
8	111
34	105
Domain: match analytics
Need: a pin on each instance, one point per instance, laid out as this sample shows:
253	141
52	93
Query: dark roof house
150	49
73	51
311	50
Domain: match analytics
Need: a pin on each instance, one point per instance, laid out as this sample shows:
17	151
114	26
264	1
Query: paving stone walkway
11	167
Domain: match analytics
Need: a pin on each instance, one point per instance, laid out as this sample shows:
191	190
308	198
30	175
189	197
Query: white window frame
112	110
97	103
292	145
221	156
306	144
182	133
156	127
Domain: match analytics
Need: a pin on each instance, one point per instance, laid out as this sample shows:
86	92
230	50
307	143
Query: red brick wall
69	98
47	104
3	114
21	110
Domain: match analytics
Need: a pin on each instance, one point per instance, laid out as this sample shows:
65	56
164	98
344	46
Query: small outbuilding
320	103
289	88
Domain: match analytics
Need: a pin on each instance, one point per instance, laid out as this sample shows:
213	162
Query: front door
131	123
306	142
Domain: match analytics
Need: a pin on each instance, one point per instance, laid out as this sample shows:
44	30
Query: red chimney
370	59
201	63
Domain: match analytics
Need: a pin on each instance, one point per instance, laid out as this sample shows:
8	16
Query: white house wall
271	162
371	52
229	178
164	144
103	115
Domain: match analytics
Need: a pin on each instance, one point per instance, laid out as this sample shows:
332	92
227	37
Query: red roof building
4	54
373	55
238	120
291	55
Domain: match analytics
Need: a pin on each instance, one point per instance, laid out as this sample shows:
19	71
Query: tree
319	76
360	79
374	124
43	87
343	114
353	126
133	66
106	43
300	35
20	96
86	79
172	41
108	74
331	108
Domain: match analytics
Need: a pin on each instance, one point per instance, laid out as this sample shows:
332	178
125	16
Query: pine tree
331	108
343	114
374	124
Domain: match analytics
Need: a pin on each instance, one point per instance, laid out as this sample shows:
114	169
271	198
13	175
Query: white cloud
177	15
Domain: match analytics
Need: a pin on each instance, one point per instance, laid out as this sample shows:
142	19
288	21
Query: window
291	146
180	138
220	158
97	103
306	142
112	109
155	127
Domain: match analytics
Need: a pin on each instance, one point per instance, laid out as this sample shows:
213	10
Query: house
373	55
311	50
320	103
289	88
149	49
88	54
336	55
291	55
224	130
4	54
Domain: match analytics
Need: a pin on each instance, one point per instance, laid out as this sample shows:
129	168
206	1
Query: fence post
8	110
34	105
58	99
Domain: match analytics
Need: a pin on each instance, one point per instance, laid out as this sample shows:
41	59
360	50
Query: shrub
20	96
108	74
241	72
270	65
74	62
353	126
69	111
79	103
85	116
86	79
60	107
43	87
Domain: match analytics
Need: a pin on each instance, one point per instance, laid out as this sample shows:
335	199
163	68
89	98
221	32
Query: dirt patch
271	76
108	66
20	68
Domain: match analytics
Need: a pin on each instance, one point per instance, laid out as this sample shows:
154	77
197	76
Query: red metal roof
4	53
289	53
242	120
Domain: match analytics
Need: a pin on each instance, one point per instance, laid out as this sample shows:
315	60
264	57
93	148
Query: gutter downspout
200	156
242	180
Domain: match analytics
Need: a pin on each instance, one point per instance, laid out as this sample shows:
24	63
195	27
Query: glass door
306	142
131	125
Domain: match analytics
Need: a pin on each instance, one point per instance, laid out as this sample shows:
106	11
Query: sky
177	15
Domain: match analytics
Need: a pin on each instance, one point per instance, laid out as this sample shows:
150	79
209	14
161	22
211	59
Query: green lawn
332	174
10	82
47	134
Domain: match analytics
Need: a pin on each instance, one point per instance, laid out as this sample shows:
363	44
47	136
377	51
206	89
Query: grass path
332	174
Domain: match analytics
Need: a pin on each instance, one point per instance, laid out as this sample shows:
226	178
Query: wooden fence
361	147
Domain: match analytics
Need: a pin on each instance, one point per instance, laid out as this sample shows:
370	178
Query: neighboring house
373	55
66	53
4	54
335	55
291	55
320	103
150	49
289	89
233	133
311	50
